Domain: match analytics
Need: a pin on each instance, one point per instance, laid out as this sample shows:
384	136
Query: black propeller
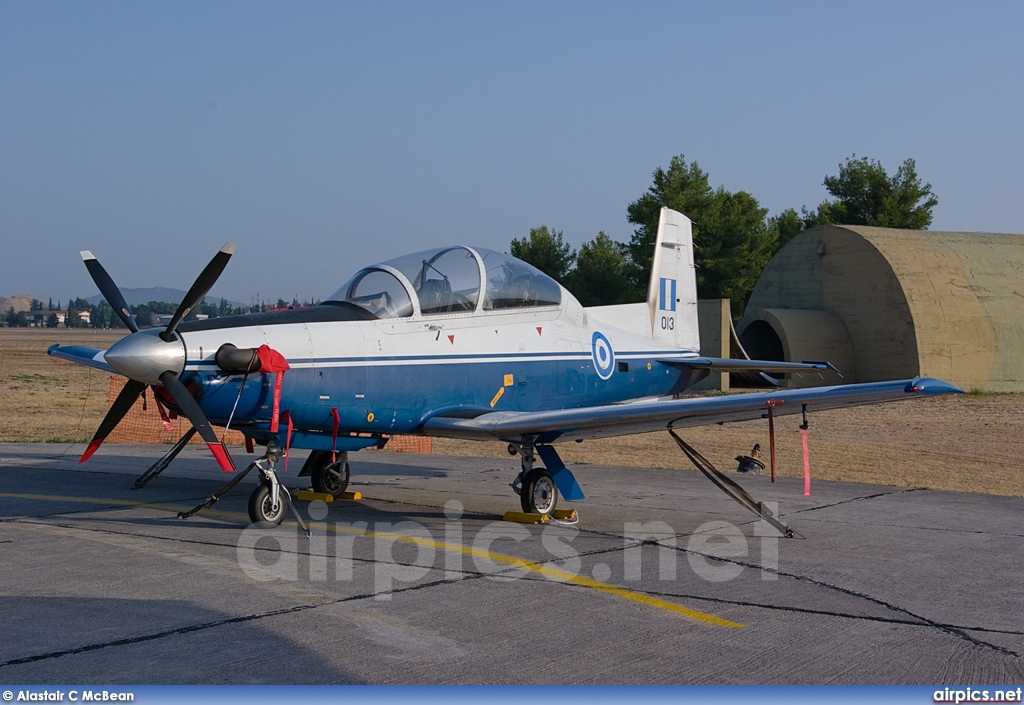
190	409
124	402
147	360
202	285
109	290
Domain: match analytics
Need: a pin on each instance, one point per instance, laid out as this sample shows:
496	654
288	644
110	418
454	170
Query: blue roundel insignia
604	356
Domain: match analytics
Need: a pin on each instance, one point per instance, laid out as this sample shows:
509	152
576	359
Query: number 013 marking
668	323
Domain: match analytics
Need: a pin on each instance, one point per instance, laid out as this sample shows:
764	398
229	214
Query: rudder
672	295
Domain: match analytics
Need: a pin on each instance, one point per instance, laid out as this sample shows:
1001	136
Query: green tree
72	320
103	317
684	188
143	315
732	248
866	195
35	305
547	251
732	239
785	226
51	321
601	276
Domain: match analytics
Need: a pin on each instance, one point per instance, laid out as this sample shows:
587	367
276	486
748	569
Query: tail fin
672	296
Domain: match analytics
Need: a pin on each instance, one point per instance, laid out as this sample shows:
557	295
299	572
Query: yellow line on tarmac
566	577
547	571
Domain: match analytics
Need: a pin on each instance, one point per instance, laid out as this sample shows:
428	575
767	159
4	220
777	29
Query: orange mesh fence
143	425
409	444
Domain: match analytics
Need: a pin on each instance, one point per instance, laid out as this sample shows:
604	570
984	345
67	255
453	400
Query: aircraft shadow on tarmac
110	640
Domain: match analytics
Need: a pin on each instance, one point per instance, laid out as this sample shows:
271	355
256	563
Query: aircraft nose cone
144	357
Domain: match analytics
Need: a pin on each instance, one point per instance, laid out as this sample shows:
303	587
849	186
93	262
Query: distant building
39	318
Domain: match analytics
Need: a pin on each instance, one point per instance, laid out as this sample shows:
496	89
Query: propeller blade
125	400
190	409
202	285
109	290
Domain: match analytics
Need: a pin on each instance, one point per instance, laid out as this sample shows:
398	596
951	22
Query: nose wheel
264	511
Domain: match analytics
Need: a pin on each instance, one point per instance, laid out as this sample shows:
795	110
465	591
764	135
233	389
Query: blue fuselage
388	378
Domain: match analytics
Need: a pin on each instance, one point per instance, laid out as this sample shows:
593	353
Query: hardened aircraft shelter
882	303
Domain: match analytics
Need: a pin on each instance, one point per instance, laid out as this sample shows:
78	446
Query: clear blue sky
322	136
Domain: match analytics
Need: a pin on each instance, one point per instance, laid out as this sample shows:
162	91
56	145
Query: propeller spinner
149	360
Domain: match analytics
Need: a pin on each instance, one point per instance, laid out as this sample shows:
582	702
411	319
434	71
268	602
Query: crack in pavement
949	629
127	641
856	499
958	631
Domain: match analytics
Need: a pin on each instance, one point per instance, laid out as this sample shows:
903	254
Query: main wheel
539	494
331	478
261	510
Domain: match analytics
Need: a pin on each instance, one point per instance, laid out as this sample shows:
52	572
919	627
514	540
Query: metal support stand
732	489
771	435
161	465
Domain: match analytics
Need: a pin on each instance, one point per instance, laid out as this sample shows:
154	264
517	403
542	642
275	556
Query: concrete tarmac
663	580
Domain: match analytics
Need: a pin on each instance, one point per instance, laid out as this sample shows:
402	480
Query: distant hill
134	297
19	302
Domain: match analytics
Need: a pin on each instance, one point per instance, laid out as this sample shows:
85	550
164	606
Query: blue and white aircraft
456	342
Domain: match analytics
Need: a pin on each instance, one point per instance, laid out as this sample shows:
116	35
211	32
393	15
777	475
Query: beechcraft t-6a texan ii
458	342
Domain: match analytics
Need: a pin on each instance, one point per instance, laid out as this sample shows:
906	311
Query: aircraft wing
639	417
83	355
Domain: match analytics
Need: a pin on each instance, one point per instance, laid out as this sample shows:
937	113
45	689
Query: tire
539	494
331	478
260	511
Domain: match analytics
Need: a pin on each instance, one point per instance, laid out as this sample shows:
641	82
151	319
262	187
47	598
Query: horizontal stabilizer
725	364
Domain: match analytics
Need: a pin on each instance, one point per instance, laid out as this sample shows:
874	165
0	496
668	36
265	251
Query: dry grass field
968	442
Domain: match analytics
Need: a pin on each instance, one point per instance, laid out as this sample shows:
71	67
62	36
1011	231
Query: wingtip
932	386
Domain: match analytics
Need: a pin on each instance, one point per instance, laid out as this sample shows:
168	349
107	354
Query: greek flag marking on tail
667	300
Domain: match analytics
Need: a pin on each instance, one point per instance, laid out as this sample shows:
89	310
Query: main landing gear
535	486
328	472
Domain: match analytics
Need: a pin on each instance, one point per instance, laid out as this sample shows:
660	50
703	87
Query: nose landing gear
268	502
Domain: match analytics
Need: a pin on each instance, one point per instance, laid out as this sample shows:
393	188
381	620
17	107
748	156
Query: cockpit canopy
448	280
